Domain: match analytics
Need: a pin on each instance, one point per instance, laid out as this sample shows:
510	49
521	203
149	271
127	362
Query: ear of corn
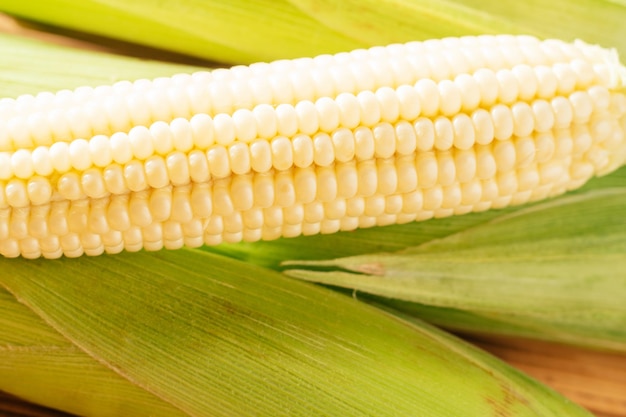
241	155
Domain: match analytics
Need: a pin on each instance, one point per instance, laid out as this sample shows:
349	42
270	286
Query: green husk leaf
217	337
559	264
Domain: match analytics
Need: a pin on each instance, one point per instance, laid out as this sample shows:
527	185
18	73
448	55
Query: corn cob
314	145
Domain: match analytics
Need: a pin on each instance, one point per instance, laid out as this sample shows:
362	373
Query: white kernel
370	108
504	155
429	96
389	104
120	147
488	86
324	153
202	132
328	114
302	151
470	91
526	80
140	142
581	138
263	190
267	120
163	138
566	78
600	96
260	155
387	177
60	155
245	125
563	112
198	167
100	151
446	168
178	168
438	66
219	163
450	98
444	133
508	88
564	145
367	178
523	119
409	101
139	210
465	165
39	129
224	129
242	193
182	134
57	221
140	114
307	116
117	112
343	143
160	204
282	153
261	90
114	179
406	139
545	146
525	151
92	183
426	165
342	78
239	154
425	133
39	191
181	205
22	163
221	97
69	186
384	140
285	194
156	172
201	202
547	82
58	124
582	106
243	96
464	133
349	110
135	176
364	143
502	122
286	120
305	183
485	162
543	116
302	84
222	202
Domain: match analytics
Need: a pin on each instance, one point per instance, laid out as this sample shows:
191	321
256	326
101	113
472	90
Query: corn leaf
213	336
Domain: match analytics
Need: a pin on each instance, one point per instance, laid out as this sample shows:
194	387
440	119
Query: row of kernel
118	113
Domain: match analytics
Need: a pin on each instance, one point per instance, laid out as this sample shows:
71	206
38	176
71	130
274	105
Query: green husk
216	337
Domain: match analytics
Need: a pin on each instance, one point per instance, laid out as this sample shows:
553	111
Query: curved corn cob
371	137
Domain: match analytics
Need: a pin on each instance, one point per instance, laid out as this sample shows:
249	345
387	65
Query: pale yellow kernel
433	198
282	153
38	222
152	237
232	224
444	133
566	78
179	101
343	143
245	125
22	164
118	215
528	178
355	206
508	88
57	220
349	224
160	203
69	186
471	192
526	80
305	184
243	96
58	123
465	163
367	221
543	115
584	71
406	138
407	174
156	172
488	86
452	196
242	193
201	130
523	119
489	190
93	184
263	190
200	200
135	176
224	129
387	177
172	236
547	82
563	143
507	183
214	226
525	151
425	134
426	165
307	117
178	168
139	209
367	178
260	89
438	65
393	204
182	210
450	98
581	170
329	226
114	179
503	123
428	93
483	127
222	202
285	194
302	151
6	169
545	146
369	107
9	248
221	97
349	111
464	133
260	155
17	127
60	155
581	138
100	151
273	217
342	78
219	163
253	218
470	91
504	155
326	184
302	84
97	220
141	142
389	104
323	150
412	202
374	205
286	120
182	134
364	141
384	140
446	168
347	179
294	214
485	162
328	113
162	137
600	96
198	167
552	172
409	100
582	106
39	129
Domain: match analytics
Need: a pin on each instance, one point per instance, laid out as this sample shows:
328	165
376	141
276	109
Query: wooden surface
595	380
